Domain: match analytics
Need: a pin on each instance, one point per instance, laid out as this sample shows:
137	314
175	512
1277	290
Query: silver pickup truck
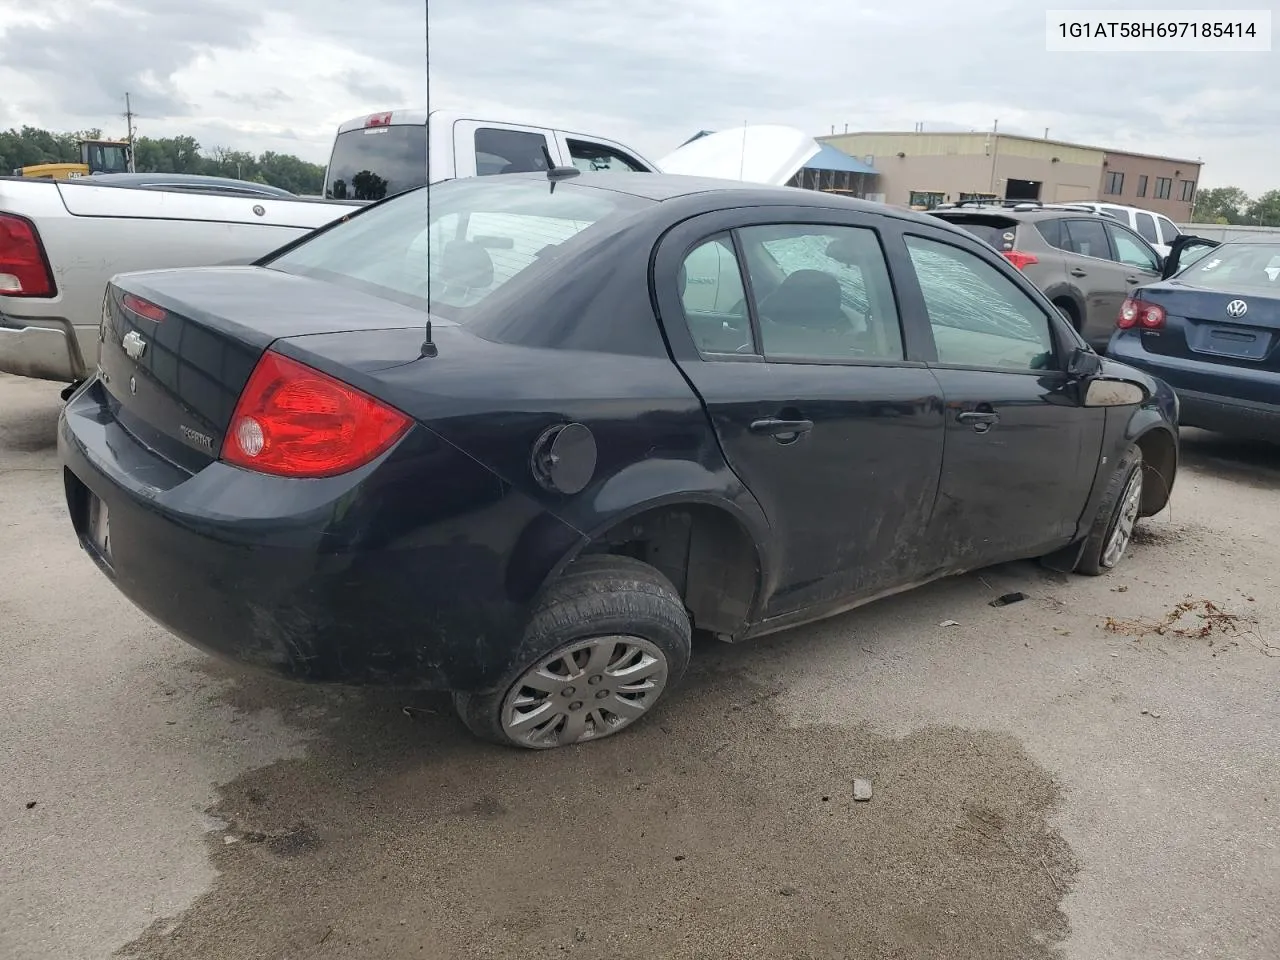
62	241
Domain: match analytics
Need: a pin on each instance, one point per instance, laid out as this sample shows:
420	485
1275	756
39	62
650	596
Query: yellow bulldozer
96	156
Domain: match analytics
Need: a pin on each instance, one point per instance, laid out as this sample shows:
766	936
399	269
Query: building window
1115	183
925	199
1188	190
1164	187
1142	185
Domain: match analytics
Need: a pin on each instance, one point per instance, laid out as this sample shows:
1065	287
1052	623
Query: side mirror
1113	393
1083	363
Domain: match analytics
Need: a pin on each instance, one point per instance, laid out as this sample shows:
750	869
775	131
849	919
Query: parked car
1086	263
61	241
190	183
639	405
1156	229
1212	332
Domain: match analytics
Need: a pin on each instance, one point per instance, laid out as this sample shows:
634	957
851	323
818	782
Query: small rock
228	839
32	803
580	935
1122	589
679	857
825	799
861	789
949	623
1155	715
787	891
1115	654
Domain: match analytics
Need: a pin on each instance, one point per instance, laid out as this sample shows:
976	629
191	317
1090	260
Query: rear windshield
377	162
1237	267
998	232
484	233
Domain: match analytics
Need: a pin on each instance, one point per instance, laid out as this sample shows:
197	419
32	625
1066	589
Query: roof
829	158
1006	136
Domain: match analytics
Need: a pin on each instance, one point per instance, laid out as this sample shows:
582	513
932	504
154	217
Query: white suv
1157	230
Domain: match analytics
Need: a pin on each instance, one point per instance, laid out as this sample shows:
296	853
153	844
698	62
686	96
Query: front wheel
607	641
1112	531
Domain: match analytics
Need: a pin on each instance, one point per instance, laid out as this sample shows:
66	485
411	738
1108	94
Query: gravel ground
1047	782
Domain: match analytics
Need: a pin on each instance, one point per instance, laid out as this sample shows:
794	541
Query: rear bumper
374	577
47	350
1213	396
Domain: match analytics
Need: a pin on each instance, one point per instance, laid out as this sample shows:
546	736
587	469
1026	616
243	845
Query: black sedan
638	406
1212	331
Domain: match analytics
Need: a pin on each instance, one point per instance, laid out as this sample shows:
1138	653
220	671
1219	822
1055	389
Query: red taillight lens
1019	259
24	269
1135	313
294	421
143	308
378	120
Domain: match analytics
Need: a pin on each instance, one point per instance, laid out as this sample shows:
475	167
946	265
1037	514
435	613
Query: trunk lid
1209	325
177	378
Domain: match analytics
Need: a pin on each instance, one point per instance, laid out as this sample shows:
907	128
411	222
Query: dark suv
1085	262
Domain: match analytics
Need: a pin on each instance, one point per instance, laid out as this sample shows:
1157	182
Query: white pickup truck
61	241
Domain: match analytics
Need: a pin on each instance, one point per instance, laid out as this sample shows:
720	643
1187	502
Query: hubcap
584	691
1122	533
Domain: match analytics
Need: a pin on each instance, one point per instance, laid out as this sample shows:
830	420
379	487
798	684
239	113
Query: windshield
377	162
1235	267
483	234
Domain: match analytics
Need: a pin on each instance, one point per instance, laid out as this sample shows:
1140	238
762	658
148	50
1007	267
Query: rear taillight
24	269
294	421
1140	313
1019	259
378	120
143	308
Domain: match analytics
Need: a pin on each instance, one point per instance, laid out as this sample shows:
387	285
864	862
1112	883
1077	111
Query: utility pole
128	118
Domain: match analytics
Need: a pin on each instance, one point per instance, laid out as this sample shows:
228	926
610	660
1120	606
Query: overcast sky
281	75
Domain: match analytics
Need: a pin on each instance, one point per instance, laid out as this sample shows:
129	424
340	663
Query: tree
1220	205
180	154
1265	210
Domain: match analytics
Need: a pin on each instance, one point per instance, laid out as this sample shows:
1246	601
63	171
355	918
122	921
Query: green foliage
1265	210
28	146
1221	205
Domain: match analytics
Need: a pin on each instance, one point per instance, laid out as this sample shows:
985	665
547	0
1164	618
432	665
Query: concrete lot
1044	786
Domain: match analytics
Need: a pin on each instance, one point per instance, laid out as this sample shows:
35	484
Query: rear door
1142	263
484	148
1021	450
1099	278
591	154
786	323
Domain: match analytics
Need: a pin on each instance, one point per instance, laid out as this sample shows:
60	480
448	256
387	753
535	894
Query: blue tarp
829	158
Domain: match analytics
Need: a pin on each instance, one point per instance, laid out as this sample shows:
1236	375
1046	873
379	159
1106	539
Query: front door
789	331
1021	450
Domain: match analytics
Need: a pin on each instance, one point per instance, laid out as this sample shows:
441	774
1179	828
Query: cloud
648	75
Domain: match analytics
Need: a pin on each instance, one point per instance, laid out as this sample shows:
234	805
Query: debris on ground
787	891
1190	619
31	804
949	623
861	789
410	711
1150	713
1008	598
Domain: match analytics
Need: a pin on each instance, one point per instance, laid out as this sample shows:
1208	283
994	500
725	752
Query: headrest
805	298
465	264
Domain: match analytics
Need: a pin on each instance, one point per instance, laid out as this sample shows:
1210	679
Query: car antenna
428	349
556	174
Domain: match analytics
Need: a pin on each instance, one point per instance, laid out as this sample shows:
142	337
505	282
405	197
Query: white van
1157	230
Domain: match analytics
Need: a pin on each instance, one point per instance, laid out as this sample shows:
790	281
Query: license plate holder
1234	342
99	526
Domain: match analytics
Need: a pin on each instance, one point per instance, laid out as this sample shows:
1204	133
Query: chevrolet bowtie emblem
134	345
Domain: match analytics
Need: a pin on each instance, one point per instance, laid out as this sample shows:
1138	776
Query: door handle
781	429
980	420
1077	272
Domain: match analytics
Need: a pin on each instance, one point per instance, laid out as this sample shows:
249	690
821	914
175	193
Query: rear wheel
1068	310
607	641
1112	531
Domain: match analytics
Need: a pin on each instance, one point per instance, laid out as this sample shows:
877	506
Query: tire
618	612
1118	510
1068	310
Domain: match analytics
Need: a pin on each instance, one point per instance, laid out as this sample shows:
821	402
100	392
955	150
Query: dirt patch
712	830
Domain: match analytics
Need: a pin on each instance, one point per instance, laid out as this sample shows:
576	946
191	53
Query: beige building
925	169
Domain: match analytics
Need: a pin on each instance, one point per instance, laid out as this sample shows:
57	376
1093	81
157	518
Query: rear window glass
377	162
483	234
998	232
1237	268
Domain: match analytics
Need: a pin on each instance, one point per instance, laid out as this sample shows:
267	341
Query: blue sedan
1212	332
